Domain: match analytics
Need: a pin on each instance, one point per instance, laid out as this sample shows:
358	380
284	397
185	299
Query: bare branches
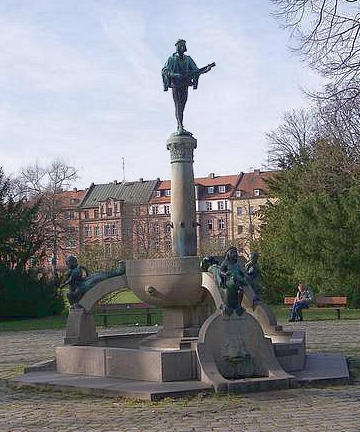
52	179
328	34
45	185
291	138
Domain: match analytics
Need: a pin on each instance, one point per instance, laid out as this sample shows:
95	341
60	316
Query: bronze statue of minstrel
179	73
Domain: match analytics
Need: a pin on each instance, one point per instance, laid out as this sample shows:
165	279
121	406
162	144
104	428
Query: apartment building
113	215
133	219
214	211
247	200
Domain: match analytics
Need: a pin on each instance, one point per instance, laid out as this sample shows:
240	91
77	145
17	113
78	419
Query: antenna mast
123	168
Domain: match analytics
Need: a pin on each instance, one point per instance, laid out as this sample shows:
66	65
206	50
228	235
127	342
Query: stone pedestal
183	209
80	328
175	285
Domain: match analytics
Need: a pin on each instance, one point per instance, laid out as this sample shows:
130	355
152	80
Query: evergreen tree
311	233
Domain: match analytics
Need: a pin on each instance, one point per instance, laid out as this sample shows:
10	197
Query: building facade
133	219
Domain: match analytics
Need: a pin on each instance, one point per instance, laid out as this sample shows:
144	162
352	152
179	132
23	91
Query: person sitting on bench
302	301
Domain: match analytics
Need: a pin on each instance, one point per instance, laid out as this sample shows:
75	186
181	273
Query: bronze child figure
233	281
76	280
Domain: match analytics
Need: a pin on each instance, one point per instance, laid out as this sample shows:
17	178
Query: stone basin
166	282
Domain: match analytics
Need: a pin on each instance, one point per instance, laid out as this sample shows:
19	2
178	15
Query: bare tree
291	138
328	32
46	185
340	119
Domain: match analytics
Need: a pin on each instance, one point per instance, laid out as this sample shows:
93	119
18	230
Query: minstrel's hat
180	41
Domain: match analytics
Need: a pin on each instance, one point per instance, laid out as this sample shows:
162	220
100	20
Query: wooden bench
105	310
336	303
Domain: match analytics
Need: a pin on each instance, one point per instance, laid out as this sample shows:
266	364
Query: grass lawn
317	314
133	317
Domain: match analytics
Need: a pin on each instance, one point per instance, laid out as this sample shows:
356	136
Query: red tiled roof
164	184
160	200
246	182
254	180
66	196
218	180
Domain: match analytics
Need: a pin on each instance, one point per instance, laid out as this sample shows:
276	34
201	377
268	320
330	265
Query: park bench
105	310
336	303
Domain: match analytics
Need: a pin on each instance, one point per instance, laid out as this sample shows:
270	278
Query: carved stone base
233	349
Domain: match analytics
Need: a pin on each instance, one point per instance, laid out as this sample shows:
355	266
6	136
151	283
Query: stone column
183	210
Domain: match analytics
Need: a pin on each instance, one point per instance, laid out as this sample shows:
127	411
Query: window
239	211
158	194
257	192
210	224
210	189
167	192
251	228
240	229
168	244
167	228
157	245
221	224
221	205
109	211
116	207
86	214
74	201
96	230
154	209
166	209
96	214
208	205
87	231
238	193
156	228
107	230
113	229
251	210
222	189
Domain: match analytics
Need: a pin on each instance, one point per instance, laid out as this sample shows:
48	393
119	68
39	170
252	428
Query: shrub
23	294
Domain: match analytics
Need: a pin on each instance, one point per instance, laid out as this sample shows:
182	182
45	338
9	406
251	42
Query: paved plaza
306	409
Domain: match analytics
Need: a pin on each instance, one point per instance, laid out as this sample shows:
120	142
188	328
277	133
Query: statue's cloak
186	67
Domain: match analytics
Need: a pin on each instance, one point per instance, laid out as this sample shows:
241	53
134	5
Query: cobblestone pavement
305	409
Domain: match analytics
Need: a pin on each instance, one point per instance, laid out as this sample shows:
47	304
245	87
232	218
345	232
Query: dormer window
210	189
238	194
222	189
158	194
167	192
257	192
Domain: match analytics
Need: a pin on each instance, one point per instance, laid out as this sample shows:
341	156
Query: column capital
181	148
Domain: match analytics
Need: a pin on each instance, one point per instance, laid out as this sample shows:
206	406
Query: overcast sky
80	80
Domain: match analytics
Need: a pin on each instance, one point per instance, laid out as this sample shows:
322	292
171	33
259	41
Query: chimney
141	180
257	171
211	175
74	189
115	182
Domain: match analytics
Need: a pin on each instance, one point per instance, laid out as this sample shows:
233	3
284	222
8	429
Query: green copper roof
134	192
